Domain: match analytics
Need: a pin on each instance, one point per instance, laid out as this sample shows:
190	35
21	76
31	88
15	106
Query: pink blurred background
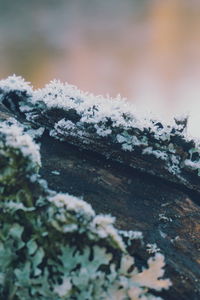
146	50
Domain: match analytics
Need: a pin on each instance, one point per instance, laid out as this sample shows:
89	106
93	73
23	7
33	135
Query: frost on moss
111	127
54	246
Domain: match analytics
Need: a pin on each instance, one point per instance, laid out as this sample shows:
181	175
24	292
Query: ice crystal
16	138
15	83
152	248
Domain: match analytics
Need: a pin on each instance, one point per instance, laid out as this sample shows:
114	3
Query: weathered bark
171	165
165	210
167	214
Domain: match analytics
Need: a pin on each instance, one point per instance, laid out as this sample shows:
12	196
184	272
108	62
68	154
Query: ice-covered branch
110	127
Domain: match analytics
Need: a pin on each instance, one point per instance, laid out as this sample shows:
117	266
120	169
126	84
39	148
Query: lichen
21	142
54	246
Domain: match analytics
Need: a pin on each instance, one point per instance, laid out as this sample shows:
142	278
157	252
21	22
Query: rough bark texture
168	213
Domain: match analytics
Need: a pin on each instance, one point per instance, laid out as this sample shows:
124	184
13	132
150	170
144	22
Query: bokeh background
146	50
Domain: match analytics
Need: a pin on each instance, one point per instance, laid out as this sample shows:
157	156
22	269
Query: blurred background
146	50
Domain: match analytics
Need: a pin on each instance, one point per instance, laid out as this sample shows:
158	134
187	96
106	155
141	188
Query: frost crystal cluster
54	246
111	127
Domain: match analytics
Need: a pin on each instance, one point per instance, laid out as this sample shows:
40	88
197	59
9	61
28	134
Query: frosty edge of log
110	127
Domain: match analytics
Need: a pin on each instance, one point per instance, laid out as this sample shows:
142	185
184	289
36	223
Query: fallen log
143	172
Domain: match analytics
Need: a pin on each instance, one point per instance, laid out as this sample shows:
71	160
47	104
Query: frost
102	131
94	109
162	217
67	125
33	177
66	112
72	203
121	138
16	138
15	83
63	208
36	133
127	147
54	172
130	235
152	248
194	165
103	226
157	153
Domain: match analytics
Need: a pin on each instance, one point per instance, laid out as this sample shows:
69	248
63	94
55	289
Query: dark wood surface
167	214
